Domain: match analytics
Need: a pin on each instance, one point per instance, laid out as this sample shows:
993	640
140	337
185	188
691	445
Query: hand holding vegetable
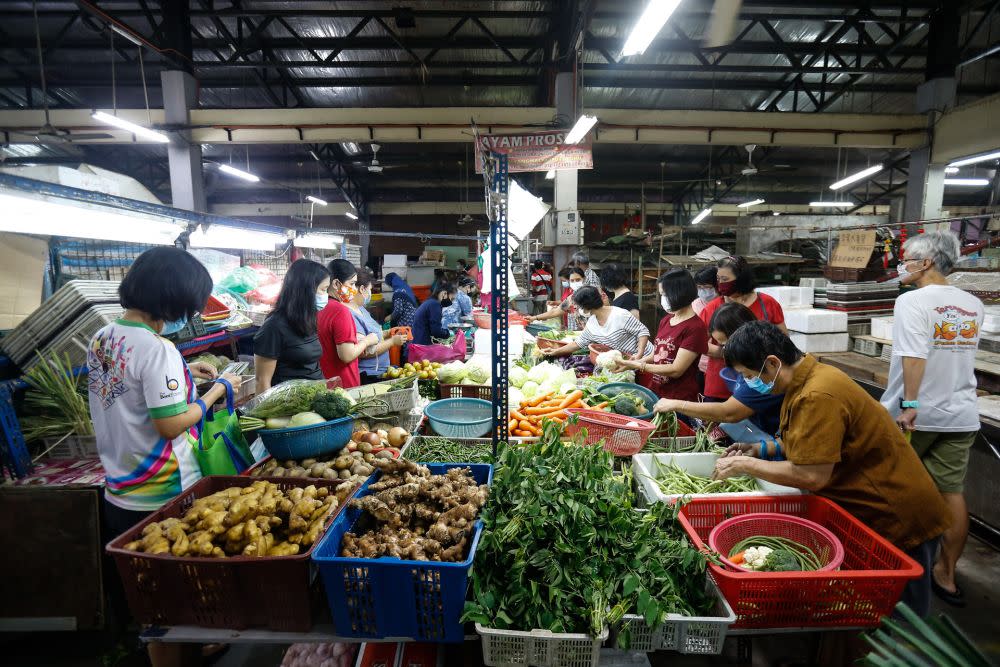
742	449
203	369
665	405
733	466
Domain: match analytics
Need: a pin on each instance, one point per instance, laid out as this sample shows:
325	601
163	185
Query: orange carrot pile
526	420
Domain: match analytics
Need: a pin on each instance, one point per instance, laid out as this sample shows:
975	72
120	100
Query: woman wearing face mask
143	401
338	334
606	325
404	301
427	322
374	360
287	346
671	370
736	285
705	281
574	321
462	306
613	279
763	410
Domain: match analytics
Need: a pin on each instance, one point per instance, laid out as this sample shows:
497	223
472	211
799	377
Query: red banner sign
537	151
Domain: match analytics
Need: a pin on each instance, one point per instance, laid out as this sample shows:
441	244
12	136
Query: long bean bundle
674	480
443	450
807	559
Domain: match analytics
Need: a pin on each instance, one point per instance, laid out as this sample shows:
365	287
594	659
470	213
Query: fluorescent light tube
352	204
222	236
831	204
854	178
951	170
137	130
351	215
238	173
583	125
314	156
648	26
320	241
550	174
126	34
973	182
350	147
48	217
701	216
316	200
985	157
748	204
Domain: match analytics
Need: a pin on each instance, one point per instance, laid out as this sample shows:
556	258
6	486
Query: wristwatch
903	405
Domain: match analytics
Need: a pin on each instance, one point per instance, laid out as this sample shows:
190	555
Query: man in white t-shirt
932	383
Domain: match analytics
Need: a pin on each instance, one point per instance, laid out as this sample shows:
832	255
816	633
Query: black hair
743	272
538	265
564	272
753	342
577	270
166	283
612	277
446	287
706	276
365	276
462	262
342	270
588	297
297	298
466	281
730	317
679	288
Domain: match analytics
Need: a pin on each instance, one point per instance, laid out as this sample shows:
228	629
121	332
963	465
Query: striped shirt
620	332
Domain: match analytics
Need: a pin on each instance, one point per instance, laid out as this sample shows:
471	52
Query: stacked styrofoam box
882	328
814	283
392	264
815	321
483	341
825	342
789	297
991	323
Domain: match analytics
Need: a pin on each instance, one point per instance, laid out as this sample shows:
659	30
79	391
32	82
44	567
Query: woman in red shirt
338	334
672	369
735	284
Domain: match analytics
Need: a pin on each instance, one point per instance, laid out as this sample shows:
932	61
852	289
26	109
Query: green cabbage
305	419
476	372
452	373
517	376
529	389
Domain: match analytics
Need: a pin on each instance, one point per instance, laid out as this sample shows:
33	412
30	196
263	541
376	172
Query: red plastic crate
867	587
416	654
378	655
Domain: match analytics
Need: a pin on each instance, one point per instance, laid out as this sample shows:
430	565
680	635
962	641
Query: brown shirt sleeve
816	428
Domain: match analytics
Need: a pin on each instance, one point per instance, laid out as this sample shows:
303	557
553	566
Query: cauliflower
754	557
608	359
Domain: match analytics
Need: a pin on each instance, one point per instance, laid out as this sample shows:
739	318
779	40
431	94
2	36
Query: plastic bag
241	280
287	398
440	353
266	294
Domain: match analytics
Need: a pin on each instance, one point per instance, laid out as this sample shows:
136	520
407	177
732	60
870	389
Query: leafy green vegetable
332	404
564	549
56	400
628	404
781	560
287	399
915	641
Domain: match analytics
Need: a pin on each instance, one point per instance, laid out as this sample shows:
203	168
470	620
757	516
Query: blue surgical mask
173	327
565	284
706	294
758	385
321	301
368	298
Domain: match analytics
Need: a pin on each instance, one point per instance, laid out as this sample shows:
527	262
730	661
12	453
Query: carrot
571	399
578	404
599	406
512	424
514	414
736	559
537	400
539	411
526	426
522	434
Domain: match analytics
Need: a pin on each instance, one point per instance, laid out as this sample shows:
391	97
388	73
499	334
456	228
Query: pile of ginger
256	520
418	516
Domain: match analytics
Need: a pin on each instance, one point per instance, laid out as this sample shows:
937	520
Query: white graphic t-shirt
941	324
134	376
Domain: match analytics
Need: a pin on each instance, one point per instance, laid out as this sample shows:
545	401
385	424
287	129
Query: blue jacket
427	323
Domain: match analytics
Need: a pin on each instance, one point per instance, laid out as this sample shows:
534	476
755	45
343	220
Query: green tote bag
222	449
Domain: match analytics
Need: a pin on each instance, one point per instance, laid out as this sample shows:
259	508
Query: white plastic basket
703	635
401	400
72	447
539	648
696	464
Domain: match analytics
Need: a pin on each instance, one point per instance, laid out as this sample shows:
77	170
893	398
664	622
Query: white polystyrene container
697	464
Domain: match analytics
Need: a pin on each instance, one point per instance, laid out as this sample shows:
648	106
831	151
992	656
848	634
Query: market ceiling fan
752	170
722	25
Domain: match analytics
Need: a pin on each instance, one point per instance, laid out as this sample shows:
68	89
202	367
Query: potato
384	454
318	469
345	474
365	447
308	463
358	469
297	471
278	472
369	457
331	473
342	462
290	464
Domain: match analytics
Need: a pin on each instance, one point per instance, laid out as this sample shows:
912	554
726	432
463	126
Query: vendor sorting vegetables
287	346
761	409
337	332
671	370
142	397
428	321
374	360
606	325
840	443
735	282
574	319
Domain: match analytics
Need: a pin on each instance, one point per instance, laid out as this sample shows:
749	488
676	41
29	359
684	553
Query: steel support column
187	183
566	179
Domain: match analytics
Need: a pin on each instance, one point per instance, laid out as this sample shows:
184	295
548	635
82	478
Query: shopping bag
440	353
221	448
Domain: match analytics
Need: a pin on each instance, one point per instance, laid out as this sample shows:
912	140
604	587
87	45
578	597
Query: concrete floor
979	574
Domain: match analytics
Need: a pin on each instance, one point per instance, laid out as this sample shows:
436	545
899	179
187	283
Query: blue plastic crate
380	598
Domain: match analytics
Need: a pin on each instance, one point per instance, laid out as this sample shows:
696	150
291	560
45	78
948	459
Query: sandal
955	598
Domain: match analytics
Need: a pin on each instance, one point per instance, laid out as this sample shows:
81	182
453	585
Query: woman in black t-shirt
287	346
613	280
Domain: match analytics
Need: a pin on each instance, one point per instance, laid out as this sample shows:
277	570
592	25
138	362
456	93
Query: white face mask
904	273
665	303
573	285
583	313
706	294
